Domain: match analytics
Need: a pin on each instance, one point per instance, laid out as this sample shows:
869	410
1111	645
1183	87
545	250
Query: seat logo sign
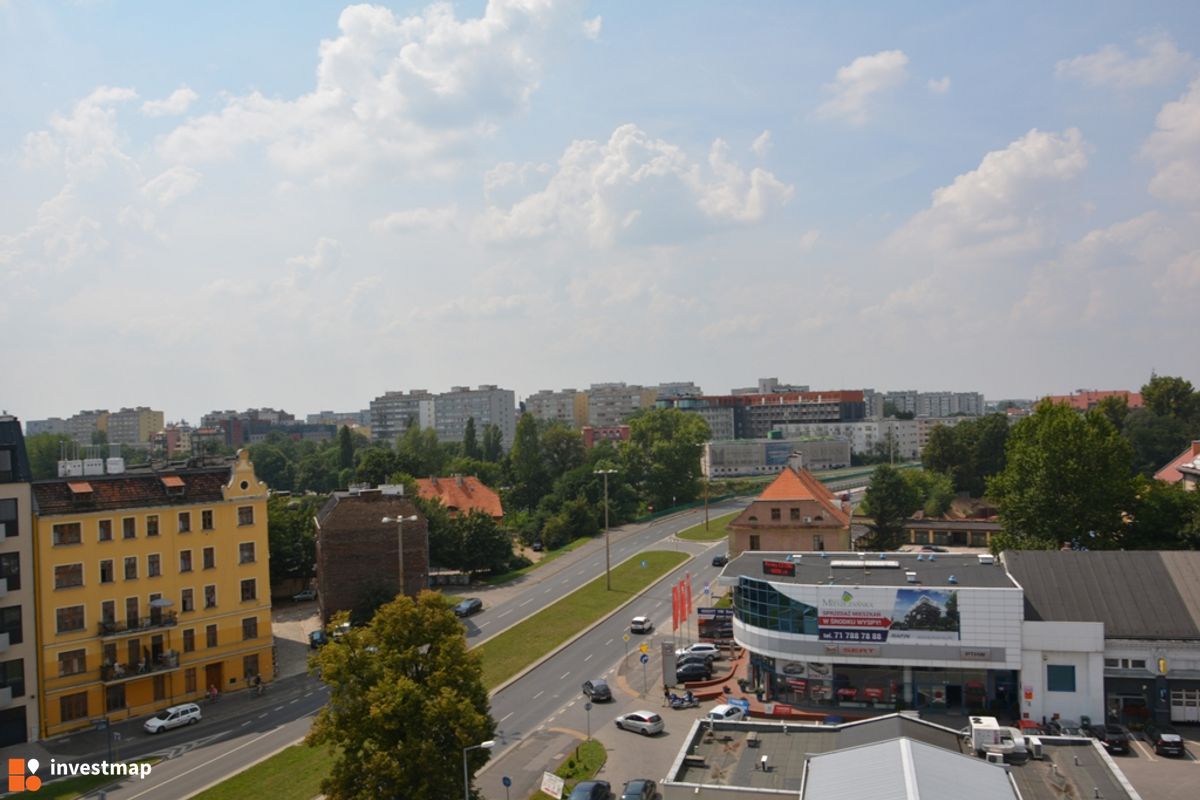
19	780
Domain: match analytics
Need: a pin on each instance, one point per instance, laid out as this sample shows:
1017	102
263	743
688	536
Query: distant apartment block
754	416
612	433
770	386
897	437
679	389
19	720
488	404
1086	399
133	425
56	425
246	427
742	457
173	440
83	425
355	419
613	403
936	404
567	406
392	413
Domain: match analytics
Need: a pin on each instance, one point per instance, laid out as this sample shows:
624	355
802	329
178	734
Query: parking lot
1162	778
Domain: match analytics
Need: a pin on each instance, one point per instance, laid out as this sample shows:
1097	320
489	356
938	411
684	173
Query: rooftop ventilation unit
910	575
987	558
920	557
93	466
857	563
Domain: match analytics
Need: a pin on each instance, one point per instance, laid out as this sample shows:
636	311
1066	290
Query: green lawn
547	557
581	765
70	788
296	773
716	529
510	652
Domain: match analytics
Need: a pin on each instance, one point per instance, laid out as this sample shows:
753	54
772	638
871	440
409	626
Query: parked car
693	671
536	547
725	713
340	630
694	658
707	648
1164	739
641	625
932	548
721	560
317	638
173	717
468	606
305	594
597	691
1113	737
591	790
644	722
640	789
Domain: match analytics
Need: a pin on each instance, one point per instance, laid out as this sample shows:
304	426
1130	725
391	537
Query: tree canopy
889	500
406	697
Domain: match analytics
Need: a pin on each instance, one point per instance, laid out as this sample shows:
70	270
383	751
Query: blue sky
303	205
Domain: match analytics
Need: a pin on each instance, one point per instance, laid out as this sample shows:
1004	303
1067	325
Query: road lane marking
539	694
610	641
205	764
506	716
263	715
502	613
527	602
564	675
278	708
589	657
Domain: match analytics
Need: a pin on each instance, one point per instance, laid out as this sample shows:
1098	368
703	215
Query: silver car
644	722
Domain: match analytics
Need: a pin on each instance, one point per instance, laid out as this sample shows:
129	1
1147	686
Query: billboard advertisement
910	615
776	454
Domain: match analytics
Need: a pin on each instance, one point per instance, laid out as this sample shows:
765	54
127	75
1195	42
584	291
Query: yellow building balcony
120	673
166	619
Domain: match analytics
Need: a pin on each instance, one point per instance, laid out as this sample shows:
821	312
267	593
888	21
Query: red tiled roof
79	487
1082	401
172	481
1170	473
128	490
462	494
799	486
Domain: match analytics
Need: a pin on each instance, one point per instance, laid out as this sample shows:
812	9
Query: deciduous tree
890	501
405	698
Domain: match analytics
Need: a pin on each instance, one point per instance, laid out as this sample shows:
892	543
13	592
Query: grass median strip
296	773
716	529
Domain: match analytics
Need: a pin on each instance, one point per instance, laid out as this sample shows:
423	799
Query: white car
644	722
173	717
726	712
641	625
700	648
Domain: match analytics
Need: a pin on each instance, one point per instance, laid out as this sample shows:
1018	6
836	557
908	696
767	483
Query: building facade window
152	525
72	662
153	565
67	576
114	697
206	520
10	570
794	514
8	517
210	636
189	680
776	515
108	611
755	542
69	619
818	542
245	515
66	533
131	612
1060	678
760	605
185	521
249	590
187	600
210	558
107	574
246	553
130	568
104	528
250	628
12	675
210	596
10	623
249	666
160	687
185	560
189	640
73	706
128	528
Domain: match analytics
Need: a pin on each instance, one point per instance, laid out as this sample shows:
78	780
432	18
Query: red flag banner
688	586
674	608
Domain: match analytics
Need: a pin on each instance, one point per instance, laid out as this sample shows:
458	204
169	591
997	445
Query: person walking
666	695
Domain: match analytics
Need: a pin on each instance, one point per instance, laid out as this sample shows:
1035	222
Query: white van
173	717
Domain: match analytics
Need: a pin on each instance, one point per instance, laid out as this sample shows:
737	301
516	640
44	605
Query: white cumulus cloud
1175	149
939	85
1112	66
174	104
634	187
416	219
859	81
762	144
174	183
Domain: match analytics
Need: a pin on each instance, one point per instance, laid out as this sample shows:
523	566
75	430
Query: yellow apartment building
152	587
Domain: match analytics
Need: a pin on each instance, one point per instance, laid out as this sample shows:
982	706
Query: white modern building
741	457
900	437
487	405
392	413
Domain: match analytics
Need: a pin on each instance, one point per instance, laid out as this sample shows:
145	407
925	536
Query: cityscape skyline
308	209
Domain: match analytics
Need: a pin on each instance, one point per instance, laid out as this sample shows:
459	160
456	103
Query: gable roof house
1183	468
794	513
462	494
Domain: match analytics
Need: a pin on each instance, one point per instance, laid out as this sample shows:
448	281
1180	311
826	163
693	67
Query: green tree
1067	478
530	482
470	443
1163	517
932	491
493	442
1171	397
375	466
890	501
1115	408
345	448
419	452
663	455
486	546
291	536
45	450
406	697
1155	439
562	449
272	466
944	452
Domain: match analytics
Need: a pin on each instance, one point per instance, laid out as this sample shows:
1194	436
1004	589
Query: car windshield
163	715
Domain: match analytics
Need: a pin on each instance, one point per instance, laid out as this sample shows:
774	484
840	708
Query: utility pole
607	555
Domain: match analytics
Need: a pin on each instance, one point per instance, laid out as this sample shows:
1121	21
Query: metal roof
903	769
871	570
1137	594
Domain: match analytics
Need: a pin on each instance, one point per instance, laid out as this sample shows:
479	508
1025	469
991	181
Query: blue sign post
507	781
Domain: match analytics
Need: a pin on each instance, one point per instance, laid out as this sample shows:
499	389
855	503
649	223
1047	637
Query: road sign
626	637
643	658
507	781
587	706
552	785
645	648
643	563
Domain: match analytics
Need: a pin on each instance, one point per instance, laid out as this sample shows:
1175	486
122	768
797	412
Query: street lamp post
607	556
400	550
488	745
